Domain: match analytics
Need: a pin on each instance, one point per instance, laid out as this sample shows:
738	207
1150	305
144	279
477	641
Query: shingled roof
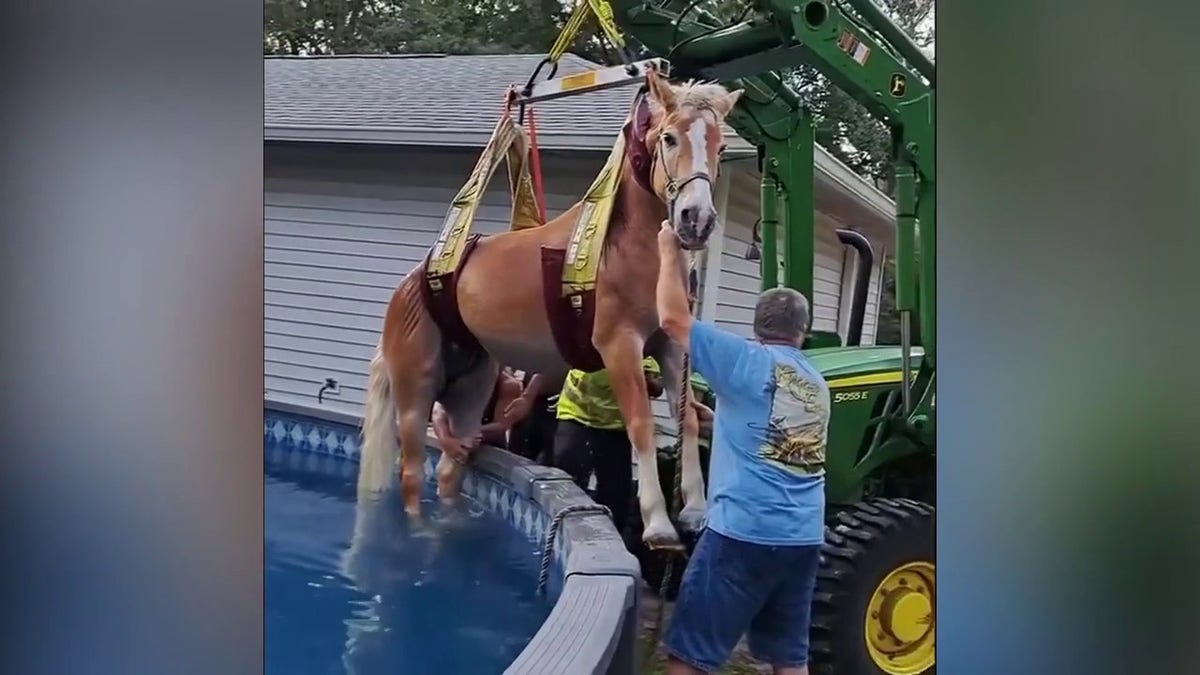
430	99
454	100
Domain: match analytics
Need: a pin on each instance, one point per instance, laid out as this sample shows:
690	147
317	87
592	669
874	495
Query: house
364	153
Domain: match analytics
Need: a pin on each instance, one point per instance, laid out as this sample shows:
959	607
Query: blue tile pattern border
310	434
300	433
522	514
592	577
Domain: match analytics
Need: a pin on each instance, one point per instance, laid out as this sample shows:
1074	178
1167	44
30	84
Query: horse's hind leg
414	403
465	400
411	353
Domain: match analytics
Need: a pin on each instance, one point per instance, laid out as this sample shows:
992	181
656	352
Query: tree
323	27
300	27
843	126
887	332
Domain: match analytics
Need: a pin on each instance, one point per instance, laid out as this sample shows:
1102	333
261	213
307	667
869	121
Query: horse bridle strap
642	160
673	186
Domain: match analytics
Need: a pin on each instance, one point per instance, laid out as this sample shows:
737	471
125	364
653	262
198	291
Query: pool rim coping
600	579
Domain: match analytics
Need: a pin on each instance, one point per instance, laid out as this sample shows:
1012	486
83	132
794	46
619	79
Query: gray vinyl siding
871	318
342	225
741	278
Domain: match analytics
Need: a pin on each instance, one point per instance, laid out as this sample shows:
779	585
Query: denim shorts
731	588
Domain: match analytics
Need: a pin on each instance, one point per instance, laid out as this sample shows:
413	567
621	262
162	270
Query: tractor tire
872	542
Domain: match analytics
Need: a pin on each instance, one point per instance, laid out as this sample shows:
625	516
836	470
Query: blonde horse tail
377	462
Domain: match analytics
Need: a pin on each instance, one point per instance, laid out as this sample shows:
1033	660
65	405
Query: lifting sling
569	276
456	241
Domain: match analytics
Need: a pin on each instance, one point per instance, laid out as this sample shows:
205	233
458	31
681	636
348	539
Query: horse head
686	142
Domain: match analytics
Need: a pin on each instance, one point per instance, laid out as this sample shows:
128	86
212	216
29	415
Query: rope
555	523
569	31
583	8
535	165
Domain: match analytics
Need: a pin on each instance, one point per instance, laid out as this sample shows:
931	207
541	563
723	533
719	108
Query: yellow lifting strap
525	212
582	261
583	9
507	141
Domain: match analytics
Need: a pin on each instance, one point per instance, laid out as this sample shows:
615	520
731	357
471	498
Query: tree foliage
325	27
843	126
887	332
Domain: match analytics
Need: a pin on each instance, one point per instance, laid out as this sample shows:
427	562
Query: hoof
691	518
660	536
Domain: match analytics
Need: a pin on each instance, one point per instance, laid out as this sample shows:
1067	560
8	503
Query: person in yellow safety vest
703	403
591	437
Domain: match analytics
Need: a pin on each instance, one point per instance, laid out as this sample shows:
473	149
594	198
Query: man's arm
449	444
508	397
539	385
704	414
718	355
544	385
670	294
441	424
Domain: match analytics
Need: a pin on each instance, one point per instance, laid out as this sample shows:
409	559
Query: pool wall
592	628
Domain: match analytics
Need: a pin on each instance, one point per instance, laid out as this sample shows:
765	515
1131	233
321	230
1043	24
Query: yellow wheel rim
900	625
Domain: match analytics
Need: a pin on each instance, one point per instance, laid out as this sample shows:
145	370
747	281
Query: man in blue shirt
754	568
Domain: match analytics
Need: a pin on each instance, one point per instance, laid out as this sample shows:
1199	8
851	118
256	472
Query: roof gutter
827	165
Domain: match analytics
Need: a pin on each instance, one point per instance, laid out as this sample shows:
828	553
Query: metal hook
528	88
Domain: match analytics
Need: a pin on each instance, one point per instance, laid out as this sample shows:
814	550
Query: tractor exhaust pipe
862	283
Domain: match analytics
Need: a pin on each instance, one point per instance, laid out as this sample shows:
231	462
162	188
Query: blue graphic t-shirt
767	468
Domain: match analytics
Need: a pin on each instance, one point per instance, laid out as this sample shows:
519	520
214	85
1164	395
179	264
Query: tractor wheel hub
900	627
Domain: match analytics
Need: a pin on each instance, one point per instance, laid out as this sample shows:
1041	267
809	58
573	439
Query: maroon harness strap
640	159
440	294
570	324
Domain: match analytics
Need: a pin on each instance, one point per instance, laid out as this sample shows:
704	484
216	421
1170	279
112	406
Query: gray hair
781	315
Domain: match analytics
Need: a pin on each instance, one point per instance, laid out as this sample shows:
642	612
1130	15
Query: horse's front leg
670	359
622	356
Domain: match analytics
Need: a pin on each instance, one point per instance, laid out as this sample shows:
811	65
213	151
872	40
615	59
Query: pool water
451	593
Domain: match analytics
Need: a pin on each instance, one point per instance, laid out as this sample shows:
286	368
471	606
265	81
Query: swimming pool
354	587
453	595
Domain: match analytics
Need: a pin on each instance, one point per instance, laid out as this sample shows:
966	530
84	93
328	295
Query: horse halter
674	186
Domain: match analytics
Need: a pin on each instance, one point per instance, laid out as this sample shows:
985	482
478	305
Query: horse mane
700	94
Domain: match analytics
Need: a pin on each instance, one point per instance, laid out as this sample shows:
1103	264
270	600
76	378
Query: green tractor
874	612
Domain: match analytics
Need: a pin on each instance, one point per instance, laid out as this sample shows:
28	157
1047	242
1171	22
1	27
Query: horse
500	300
